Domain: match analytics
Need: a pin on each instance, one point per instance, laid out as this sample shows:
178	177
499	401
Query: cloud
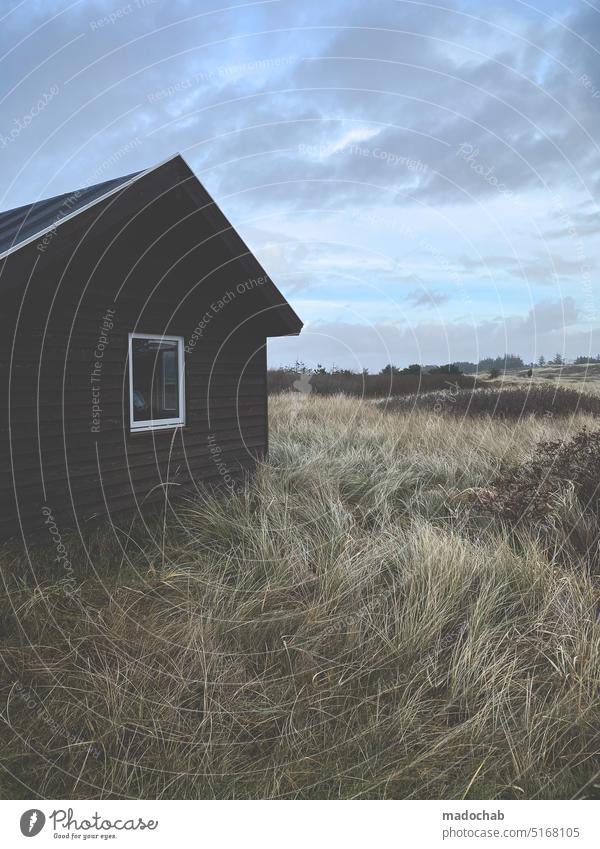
549	326
544	268
479	134
392	79
425	298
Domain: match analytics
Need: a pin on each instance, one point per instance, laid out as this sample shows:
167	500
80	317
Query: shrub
367	385
447	368
557	493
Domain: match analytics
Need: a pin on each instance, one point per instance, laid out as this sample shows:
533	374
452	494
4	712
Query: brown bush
366	385
557	494
510	403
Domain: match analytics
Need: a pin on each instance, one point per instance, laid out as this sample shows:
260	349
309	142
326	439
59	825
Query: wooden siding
155	283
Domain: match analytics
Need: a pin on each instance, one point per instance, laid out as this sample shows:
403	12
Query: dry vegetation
510	402
362	385
586	377
351	624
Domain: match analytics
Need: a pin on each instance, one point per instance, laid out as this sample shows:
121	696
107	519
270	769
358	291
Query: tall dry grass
342	627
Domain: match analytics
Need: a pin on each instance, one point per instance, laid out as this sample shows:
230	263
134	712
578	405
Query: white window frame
158	424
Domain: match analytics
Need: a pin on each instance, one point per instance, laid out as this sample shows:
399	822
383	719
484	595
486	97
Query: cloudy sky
420	179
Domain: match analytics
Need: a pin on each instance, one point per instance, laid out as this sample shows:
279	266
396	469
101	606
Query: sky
419	179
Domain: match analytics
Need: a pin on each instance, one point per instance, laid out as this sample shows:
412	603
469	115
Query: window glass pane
170	387
155	379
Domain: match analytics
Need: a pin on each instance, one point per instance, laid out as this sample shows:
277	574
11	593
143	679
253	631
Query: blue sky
418	178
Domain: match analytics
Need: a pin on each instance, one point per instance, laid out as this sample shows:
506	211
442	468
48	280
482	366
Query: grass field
345	626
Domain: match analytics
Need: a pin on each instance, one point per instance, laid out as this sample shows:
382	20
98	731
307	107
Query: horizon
300	365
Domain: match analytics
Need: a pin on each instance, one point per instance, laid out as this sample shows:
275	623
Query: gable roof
26	224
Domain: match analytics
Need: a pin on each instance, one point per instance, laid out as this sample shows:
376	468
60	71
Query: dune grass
341	627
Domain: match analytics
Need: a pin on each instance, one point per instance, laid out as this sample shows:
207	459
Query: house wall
83	296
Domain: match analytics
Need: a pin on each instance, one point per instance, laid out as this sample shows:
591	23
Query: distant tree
557	360
414	368
494	372
542	361
584	361
390	369
466	367
529	372
512	361
502	363
336	370
320	369
448	368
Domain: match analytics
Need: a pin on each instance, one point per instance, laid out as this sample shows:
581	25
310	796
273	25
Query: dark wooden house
133	349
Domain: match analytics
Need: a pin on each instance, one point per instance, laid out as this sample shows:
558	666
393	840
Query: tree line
493	365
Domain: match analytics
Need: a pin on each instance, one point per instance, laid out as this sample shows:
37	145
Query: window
156	381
